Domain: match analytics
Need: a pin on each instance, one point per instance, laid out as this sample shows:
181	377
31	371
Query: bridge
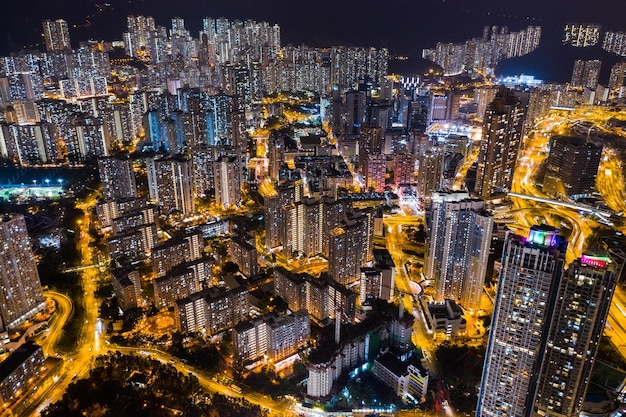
603	215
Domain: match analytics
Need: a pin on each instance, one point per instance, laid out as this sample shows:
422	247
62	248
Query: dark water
403	26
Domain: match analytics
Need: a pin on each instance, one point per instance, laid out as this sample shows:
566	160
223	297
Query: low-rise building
214	228
446	318
405	378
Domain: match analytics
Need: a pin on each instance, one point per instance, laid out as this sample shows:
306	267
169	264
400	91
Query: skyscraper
203	176
546	326
618	75
482	97
586	73
117	177
581	35
460	237
56	35
137	37
615	42
502	137
350	246
430	175
579	316
227	181
170	182
527	290
404	168
571	167
354	111
374	171
20	289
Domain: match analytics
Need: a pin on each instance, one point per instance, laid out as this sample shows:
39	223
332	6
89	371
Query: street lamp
47	182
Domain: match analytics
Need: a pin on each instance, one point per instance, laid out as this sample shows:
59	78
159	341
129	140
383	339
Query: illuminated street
318	210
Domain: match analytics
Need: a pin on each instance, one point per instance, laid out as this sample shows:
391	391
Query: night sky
403	26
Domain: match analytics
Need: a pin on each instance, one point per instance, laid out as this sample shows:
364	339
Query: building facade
459	242
20	371
500	144
117	177
532	269
571	167
21	295
170	183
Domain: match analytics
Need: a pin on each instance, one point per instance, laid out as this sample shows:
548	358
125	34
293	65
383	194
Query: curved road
64	309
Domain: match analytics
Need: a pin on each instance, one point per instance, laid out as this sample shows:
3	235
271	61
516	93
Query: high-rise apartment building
586	74
132	219
170	183
541	99
135	243
301	228
430	175
286	194
404	168
374	171
56	35
138	35
486	52
577	324
212	310
377	282
134	230
320	297
274	335
117	177
581	35
29	144
179	282
227	172
350	64
618	75
244	254
300	224
21	372
615	42
20	289
571	167
546	326
175	251
500	144
275	155
203	176
109	210
350	247
126	286
482	97
531	273
460	238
